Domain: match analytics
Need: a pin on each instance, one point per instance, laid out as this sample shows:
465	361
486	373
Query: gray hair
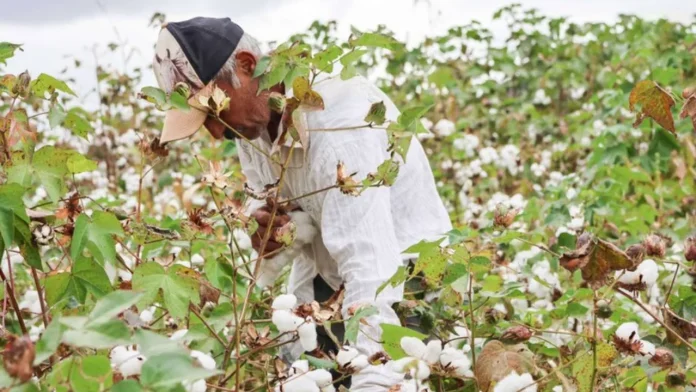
228	71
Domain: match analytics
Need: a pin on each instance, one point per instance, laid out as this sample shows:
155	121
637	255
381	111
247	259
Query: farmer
345	240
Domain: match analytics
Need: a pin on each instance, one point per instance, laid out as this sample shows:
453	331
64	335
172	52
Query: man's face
248	112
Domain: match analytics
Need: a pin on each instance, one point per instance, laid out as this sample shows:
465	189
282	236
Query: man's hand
263	217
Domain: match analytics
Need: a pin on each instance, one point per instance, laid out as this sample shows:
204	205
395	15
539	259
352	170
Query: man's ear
246	62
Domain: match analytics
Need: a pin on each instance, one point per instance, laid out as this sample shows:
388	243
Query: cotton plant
301	379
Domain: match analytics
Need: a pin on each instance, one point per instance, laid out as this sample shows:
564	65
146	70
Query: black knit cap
207	43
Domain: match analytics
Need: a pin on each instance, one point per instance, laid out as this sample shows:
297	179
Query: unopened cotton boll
514	382
308	335
413	347
207	362
444	128
284	302
321	377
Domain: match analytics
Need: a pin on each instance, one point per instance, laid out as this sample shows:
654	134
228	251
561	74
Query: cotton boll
413	347
179	335
30	301
146	316
488	155
284	302
242	239
627	331
197	259
308	335
207	362
286	321
299	384
321	377
35	332
444	128
127	361
402	365
557	388
345	355
328	388
432	352
359	363
646	272
647	348
513	382
462	367
421	371
195	386
300	366
449	355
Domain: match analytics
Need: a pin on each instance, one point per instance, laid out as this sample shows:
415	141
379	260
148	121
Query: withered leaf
497	361
689	110
302	90
346	183
18	357
685	328
596	258
654	102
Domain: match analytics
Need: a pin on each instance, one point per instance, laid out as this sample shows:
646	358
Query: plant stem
594	341
13	302
200	317
44	315
472	327
671	285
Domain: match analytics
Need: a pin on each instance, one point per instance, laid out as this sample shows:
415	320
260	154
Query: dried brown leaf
686	329
654	102
346	183
689	110
596	258
497	361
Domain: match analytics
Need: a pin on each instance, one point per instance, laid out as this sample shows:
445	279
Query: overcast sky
50	30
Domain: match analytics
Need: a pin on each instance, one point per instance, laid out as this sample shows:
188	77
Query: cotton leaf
377	113
689	110
654	102
496	361
596	258
302	90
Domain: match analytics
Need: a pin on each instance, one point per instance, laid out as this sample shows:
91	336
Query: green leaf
432	262
635	379
50	167
19	171
410	120
151	344
154	95
219	273
574	309
179	101
99	336
177	288
77	124
111	305
93	374
49	342
56	116
299	70
46	83
398	278
127	386
167	370
27	247
377	113
454	272
96	233
78	163
351	57
583	367
392	334
14	226
7	50
320	363
261	66
353	324
86	276
275	76
376	40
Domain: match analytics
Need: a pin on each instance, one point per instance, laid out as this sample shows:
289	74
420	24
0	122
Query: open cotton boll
147	315
126	361
299	383
627	331
444	128
207	362
417	368
195	386
308	335
286	321
359	363
413	347
284	302
30	301
328	388
197	259
462	367
647	348
321	377
513	382
300	366
345	355
432	352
